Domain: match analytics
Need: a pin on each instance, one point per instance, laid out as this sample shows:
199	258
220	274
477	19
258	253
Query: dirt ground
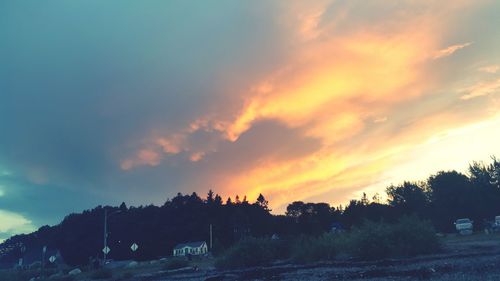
474	257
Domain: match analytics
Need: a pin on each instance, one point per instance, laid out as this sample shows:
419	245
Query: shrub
372	240
310	249
102	273
369	241
408	237
176	263
252	252
415	237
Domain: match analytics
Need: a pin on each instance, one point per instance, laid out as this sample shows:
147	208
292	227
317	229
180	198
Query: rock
56	275
215	278
230	277
153	262
132	264
223	277
75	271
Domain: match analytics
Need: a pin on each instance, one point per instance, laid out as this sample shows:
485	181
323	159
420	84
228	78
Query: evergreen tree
262	202
218	200
210	197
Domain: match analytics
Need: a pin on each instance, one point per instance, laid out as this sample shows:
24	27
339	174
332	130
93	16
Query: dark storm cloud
45	204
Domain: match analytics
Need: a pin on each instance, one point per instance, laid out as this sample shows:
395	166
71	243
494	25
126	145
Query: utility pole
105	235
106	250
210	237
42	267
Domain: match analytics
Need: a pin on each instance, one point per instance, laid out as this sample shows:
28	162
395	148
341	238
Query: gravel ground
475	257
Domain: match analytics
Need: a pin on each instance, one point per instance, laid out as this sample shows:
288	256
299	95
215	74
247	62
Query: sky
110	101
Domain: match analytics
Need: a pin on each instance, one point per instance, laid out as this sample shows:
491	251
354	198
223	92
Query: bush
176	263
372	240
252	252
310	249
408	237
102	273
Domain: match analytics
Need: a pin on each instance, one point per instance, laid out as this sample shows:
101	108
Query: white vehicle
464	226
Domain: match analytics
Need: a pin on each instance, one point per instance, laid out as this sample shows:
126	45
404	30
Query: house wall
191	250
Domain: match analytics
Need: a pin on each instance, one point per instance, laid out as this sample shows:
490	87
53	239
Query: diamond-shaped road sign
106	250
134	247
52	259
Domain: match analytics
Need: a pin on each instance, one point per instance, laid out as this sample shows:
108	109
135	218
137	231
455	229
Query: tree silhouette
452	197
262	202
409	198
443	198
218	200
210	197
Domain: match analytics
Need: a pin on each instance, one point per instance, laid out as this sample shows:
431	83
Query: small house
191	248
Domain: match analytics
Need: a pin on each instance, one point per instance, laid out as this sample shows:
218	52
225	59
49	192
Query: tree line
440	199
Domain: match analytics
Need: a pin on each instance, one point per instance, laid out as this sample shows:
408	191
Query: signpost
44	250
106	250
23	249
134	247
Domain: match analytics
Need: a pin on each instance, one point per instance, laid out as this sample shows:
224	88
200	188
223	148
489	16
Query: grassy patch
12	275
309	249
408	237
103	273
176	263
252	252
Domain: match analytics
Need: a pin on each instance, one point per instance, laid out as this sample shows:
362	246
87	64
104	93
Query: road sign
52	259
106	250
134	247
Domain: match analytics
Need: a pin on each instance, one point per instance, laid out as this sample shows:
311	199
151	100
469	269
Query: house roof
190	244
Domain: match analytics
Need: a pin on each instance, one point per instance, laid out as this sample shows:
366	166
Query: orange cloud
448	51
355	92
490	69
482	89
143	157
336	73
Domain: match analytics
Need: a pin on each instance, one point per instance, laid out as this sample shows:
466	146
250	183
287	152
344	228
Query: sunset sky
110	101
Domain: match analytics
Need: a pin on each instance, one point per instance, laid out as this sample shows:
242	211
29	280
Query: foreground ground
475	257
